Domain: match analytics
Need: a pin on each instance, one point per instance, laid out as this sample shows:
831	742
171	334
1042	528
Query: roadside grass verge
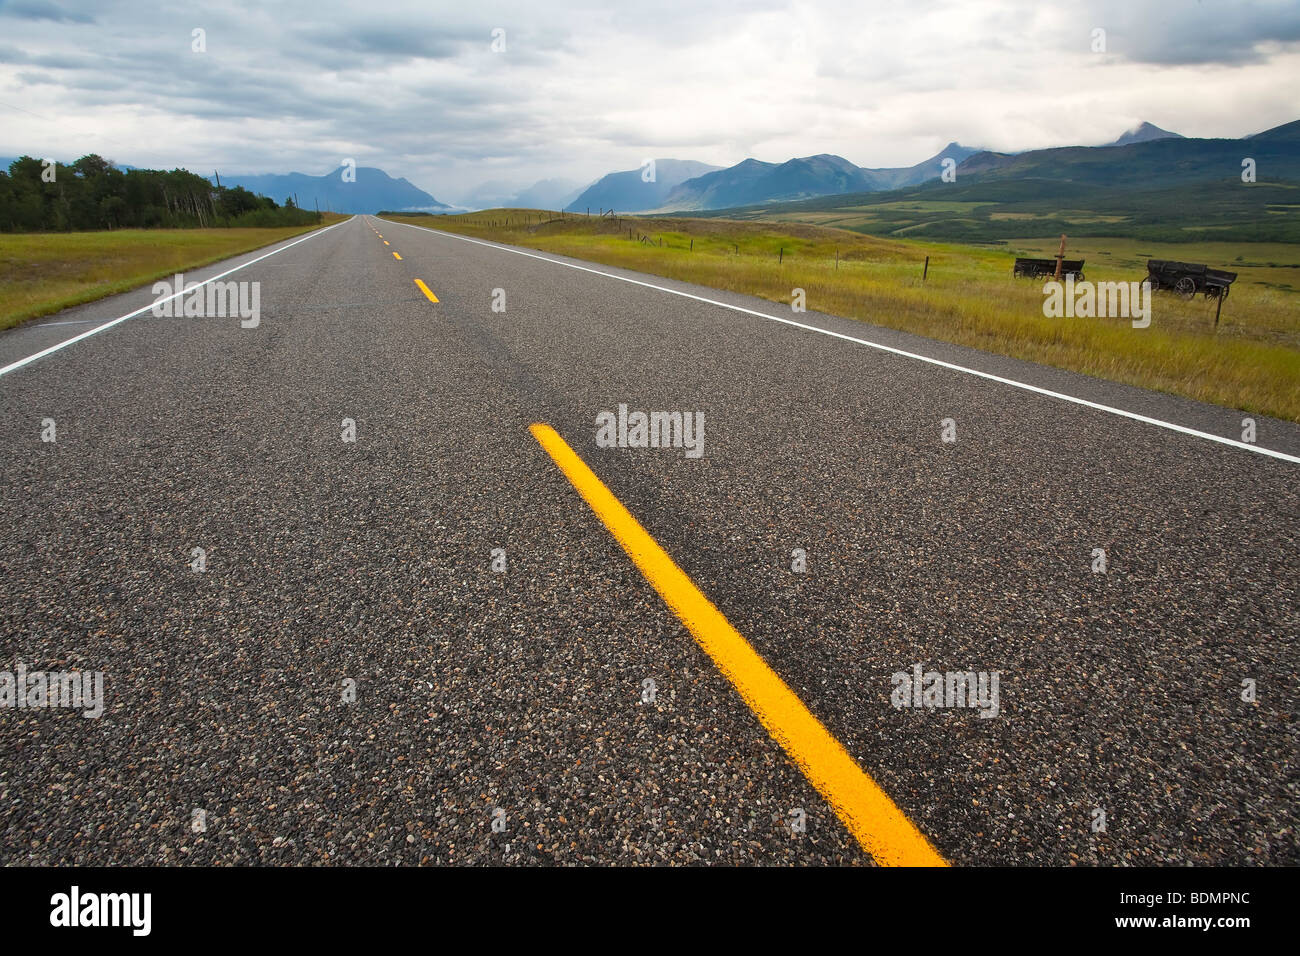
42	273
969	297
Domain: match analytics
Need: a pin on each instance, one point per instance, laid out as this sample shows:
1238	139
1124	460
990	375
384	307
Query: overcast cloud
584	88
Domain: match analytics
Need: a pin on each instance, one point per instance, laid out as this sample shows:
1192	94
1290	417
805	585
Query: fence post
925	271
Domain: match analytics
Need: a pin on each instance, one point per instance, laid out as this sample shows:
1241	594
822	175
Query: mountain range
1143	157
1160	188
543	194
372	191
752	181
1154	161
630	191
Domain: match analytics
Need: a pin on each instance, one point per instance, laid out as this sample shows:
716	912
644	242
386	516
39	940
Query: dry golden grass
41	273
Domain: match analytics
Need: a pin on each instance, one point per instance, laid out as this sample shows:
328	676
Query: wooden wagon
1039	268
1188	278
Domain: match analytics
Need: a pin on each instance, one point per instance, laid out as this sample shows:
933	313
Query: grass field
984	211
1251	362
41	273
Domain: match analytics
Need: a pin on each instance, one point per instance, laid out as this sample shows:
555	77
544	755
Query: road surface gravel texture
520	695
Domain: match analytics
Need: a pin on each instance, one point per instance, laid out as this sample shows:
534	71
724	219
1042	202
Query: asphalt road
518	695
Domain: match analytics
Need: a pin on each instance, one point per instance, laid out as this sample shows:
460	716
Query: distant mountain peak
628	191
1145	132
373	190
752	181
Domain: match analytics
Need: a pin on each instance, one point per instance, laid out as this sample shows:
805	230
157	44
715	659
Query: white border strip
1182	429
14	366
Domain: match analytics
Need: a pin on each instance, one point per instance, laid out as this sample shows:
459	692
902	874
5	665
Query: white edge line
1183	429
14	366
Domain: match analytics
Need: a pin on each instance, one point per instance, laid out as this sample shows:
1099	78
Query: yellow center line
425	289
397	257
880	827
385	242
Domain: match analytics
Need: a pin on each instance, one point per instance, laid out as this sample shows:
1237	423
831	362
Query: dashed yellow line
385	242
397	257
880	827
425	289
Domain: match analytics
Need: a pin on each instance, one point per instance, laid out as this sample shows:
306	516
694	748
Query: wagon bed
1034	268
1188	278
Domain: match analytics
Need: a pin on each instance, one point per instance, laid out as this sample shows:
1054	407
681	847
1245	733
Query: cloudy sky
583	88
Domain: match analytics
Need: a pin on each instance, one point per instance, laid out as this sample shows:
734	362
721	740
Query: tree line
93	194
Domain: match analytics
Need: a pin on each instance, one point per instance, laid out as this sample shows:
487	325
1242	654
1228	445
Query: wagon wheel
1186	287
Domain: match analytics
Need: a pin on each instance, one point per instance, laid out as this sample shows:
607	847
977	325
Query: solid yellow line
880	827
425	289
398	258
